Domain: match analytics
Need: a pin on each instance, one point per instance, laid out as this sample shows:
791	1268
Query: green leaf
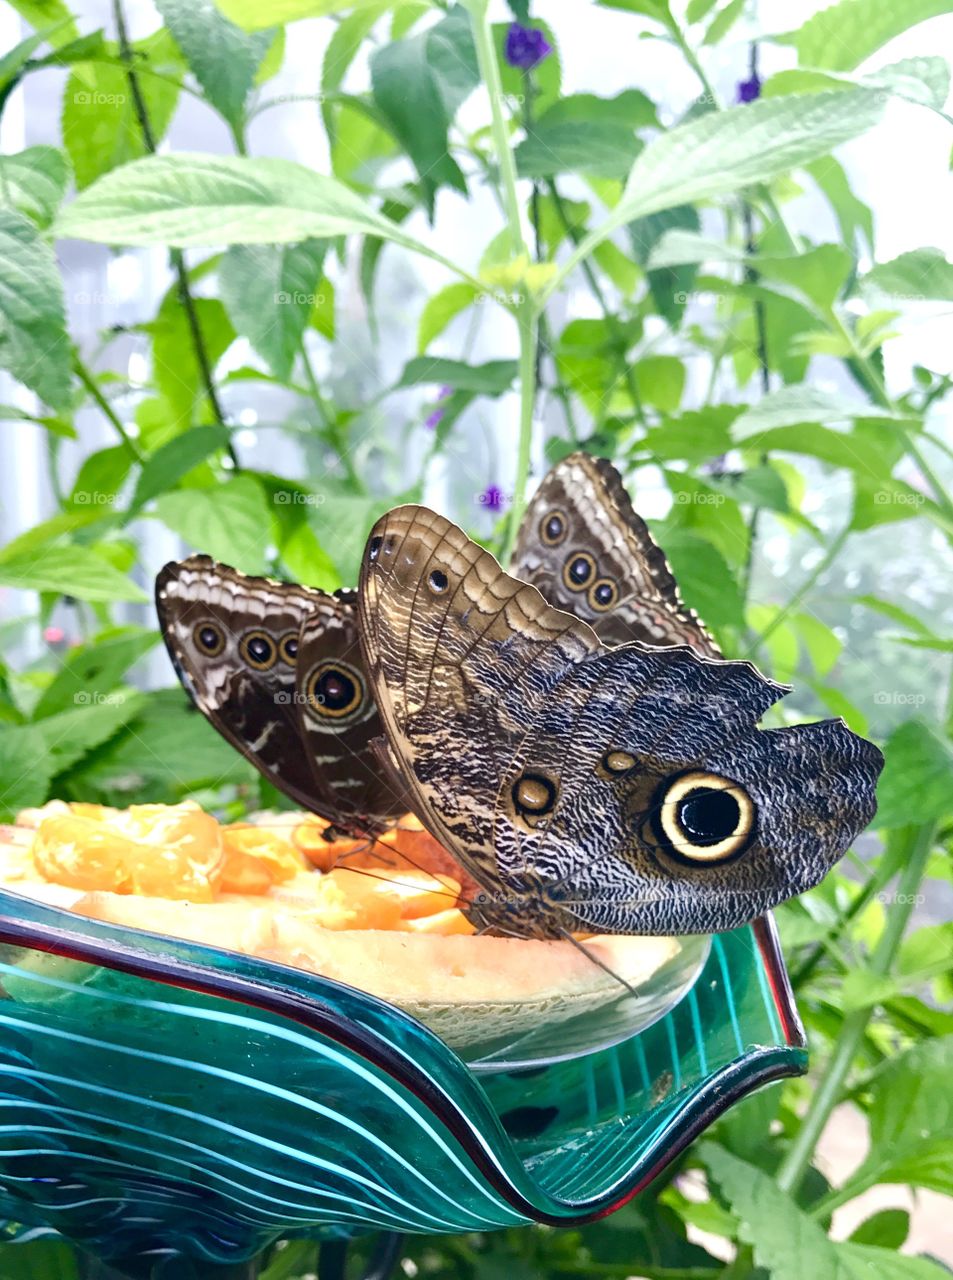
819	273
94	670
176	370
853	216
173	460
343	47
490	379
70	735
896	614
165	751
307	561
33	181
68	571
186	200
25	769
631	108
706	582
723	151
418	84
917	781
792	1246
723	21
695	436
792	406
888	1228
294	1259
229	522
100	478
822	644
441	308
270	292
661	381
342	524
842	36
322	318
921	274
925	81
251	15
34	346
100	128
911	1119
600	147
223	57
52	17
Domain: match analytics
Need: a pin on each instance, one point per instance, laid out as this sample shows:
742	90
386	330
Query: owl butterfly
583	545
277	669
587	787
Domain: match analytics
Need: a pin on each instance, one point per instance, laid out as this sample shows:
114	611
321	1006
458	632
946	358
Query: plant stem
176	257
89	382
329	429
830	555
612	324
526	312
829	1090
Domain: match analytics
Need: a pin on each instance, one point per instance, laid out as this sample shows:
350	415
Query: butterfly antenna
591	955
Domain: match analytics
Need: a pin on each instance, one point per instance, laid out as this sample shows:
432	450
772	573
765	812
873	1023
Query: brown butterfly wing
338	718
235	642
582	544
544	760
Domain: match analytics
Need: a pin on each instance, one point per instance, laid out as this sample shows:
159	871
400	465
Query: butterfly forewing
588	787
237	643
587	550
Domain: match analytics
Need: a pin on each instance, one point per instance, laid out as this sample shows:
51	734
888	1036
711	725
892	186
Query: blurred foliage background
495	240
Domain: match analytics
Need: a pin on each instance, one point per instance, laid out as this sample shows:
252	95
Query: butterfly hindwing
582	544
620	789
237	643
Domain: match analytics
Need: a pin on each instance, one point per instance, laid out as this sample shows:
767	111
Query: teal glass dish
158	1095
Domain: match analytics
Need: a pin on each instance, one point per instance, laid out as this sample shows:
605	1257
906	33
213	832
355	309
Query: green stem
782	615
89	382
329	429
831	1084
526	313
490	72
176	256
612	324
527	320
691	57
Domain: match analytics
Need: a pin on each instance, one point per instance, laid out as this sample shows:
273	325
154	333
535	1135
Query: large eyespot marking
618	762
553	528
374	549
438	582
334	691
603	595
702	817
579	570
258	649
533	795
209	639
288	648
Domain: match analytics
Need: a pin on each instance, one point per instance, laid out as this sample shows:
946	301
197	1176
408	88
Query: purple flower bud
750	89
525	47
433	419
493	498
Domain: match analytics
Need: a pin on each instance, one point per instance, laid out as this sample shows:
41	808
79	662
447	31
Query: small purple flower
433	420
526	47
493	498
749	90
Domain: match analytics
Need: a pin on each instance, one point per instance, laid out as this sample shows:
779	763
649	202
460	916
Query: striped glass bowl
161	1095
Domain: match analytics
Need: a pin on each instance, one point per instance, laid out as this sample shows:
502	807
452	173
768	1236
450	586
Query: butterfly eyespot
288	648
259	650
552	528
374	549
579	570
334	691
438	582
603	595
533	795
209	639
702	817
618	762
